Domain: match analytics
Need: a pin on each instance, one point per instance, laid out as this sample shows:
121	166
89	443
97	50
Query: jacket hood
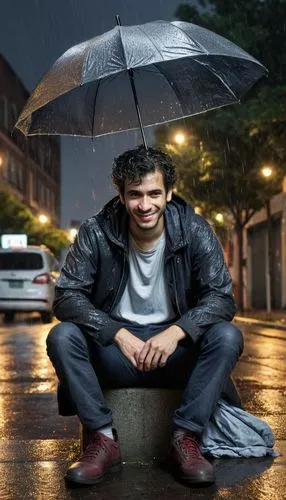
113	219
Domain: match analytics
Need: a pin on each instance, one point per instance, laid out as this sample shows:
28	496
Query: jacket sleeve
212	281
74	287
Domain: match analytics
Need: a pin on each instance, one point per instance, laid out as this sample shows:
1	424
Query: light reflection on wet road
36	444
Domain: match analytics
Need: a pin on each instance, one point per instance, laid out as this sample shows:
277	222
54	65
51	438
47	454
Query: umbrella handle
131	77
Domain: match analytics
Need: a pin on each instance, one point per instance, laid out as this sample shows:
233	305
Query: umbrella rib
194	41
122	45
94	103
150	39
217	76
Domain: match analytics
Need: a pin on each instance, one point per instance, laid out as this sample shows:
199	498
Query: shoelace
95	445
190	447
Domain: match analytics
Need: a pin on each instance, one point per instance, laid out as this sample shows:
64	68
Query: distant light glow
198	210
72	233
179	138
219	218
267	171
43	219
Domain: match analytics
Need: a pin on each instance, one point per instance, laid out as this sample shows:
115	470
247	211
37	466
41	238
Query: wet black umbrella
170	69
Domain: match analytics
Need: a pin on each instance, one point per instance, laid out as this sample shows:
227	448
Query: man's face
146	200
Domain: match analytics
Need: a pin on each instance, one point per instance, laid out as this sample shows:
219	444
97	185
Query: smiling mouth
145	216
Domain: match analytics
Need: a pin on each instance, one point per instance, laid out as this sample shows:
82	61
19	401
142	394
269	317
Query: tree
235	142
15	217
220	171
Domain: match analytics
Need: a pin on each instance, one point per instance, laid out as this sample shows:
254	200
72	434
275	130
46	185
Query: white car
27	281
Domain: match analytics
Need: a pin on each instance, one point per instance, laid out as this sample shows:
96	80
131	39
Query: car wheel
47	317
9	317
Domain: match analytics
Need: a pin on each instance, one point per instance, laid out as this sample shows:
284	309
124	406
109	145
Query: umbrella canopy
173	69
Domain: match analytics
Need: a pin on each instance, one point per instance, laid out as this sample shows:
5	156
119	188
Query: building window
4	165
53	203
15	174
36	194
47	160
12	116
4	113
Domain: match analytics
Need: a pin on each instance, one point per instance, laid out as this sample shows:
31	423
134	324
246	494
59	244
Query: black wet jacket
96	270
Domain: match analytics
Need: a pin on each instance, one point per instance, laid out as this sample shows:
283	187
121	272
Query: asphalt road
36	445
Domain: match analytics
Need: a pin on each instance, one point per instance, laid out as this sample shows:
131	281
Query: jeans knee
232	337
227	336
62	336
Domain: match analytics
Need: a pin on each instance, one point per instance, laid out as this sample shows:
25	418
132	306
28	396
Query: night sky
33	34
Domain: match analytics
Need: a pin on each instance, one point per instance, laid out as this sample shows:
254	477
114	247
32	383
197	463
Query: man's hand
156	350
129	345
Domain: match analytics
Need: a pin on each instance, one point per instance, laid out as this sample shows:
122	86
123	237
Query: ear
121	199
169	195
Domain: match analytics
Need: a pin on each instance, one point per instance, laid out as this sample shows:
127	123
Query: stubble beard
145	227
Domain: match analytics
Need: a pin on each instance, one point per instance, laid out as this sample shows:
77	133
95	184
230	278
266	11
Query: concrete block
143	419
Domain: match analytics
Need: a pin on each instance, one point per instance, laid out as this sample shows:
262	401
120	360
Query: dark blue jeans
84	368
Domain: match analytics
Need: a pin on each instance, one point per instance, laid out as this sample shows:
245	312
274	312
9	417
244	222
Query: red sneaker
188	461
100	456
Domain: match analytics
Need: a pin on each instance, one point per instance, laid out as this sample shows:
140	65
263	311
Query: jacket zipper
176	293
175	285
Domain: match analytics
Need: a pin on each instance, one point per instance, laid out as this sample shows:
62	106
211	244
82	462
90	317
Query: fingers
142	355
150	357
154	362
163	360
133	361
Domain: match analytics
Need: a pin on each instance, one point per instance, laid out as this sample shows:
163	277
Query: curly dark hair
136	163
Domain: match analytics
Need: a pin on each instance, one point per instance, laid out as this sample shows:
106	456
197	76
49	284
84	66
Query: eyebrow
138	191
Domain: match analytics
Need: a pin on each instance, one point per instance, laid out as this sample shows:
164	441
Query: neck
144	238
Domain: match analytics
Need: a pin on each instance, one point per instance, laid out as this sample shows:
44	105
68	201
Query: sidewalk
37	445
275	319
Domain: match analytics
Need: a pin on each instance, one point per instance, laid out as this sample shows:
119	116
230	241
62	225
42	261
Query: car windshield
20	261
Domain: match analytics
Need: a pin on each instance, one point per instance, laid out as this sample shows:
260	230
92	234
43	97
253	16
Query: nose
144	205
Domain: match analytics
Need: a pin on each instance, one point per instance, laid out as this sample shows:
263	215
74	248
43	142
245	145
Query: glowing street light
43	219
267	171
219	218
179	138
197	210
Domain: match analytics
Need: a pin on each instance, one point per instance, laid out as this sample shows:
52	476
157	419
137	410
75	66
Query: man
145	299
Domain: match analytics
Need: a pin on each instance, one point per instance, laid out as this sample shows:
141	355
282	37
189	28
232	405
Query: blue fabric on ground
233	432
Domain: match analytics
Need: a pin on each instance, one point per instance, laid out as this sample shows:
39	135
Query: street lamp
43	219
219	218
267	171
179	138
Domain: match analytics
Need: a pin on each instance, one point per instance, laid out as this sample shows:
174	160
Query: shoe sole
112	470
197	482
175	470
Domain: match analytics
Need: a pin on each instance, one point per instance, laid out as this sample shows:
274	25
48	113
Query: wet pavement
36	445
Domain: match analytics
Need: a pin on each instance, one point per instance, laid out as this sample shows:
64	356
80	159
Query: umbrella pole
131	77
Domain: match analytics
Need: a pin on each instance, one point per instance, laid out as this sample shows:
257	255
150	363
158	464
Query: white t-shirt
145	299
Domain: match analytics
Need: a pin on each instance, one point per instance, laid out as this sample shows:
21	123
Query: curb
252	321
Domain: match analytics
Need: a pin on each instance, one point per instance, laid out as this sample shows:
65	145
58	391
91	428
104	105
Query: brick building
29	167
